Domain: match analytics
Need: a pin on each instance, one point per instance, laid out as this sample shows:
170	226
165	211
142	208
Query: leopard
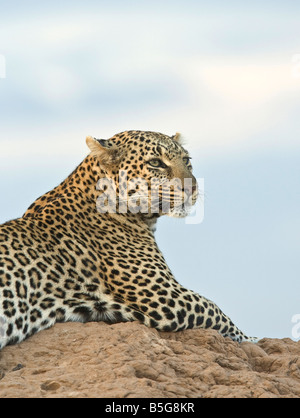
84	252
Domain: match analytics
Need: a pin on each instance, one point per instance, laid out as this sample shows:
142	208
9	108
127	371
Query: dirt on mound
129	360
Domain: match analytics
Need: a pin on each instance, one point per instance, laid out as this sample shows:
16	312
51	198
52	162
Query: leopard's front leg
187	310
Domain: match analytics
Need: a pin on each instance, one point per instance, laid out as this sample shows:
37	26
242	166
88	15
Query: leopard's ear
177	137
105	150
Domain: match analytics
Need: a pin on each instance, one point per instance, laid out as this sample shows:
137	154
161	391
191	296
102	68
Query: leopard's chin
180	211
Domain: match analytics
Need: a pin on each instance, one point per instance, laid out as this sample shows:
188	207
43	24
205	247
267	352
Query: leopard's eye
157	163
186	160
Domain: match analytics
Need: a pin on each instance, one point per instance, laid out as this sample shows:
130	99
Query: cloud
112	71
249	82
238	97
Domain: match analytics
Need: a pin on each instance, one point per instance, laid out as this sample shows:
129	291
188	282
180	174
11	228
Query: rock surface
75	360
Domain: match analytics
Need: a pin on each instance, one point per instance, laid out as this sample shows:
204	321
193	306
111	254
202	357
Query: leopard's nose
190	190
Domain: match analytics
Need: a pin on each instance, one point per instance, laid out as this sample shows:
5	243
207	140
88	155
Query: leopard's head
144	172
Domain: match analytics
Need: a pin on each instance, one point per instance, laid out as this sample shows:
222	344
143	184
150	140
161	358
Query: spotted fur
65	261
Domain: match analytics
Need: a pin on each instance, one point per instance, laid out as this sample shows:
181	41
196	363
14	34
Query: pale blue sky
225	74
